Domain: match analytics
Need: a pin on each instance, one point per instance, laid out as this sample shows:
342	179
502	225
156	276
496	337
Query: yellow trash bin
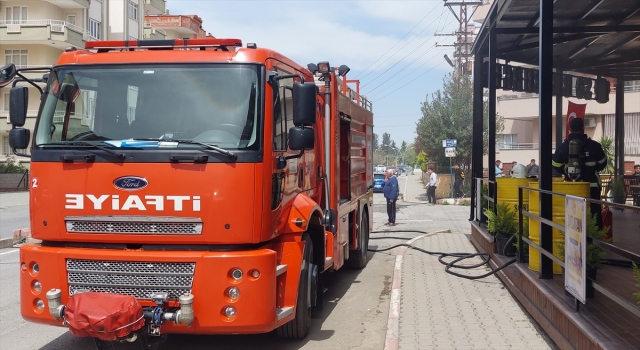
579	189
508	191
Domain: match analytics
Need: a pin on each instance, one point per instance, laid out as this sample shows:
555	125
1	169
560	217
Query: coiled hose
452	264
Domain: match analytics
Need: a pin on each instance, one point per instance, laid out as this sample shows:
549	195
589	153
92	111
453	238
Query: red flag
574	110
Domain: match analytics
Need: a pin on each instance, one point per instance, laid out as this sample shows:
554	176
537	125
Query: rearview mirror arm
32	82
281	161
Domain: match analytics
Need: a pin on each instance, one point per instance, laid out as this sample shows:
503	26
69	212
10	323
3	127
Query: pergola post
476	146
544	125
491	74
619	126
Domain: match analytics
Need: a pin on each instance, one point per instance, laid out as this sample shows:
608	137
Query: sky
389	45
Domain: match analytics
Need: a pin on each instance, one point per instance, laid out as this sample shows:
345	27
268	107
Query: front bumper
256	305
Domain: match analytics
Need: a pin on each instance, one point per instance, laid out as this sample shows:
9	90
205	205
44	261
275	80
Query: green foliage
595	254
375	143
636	276
11	166
421	160
465	203
502	223
609	151
448	114
617	190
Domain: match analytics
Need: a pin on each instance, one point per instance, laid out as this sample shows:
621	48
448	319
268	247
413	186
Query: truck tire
299	327
358	258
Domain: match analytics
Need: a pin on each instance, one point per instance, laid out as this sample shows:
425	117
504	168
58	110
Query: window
94	28
17	57
133	10
507	141
15	14
282	112
71	19
6	102
6	150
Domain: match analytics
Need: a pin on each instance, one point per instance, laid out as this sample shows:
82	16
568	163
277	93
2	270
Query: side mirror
18	102
19	138
304	104
301	139
7	73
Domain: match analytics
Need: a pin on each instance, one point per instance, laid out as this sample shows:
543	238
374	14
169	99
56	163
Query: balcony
51	32
155	7
70	4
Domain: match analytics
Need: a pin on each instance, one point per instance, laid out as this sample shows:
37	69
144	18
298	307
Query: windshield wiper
229	154
84	143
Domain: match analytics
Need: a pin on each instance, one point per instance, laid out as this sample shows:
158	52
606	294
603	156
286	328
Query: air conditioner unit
589	122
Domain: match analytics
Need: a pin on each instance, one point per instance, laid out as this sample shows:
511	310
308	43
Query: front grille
137	278
134	225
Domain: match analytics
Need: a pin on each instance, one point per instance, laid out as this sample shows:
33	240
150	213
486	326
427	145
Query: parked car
378	178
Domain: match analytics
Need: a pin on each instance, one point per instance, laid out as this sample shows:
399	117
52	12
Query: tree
403	146
386	143
449	115
375	142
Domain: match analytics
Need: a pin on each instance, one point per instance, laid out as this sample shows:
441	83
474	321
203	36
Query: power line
405	45
391	93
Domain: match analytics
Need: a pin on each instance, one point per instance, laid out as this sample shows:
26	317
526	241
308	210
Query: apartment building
33	33
519	139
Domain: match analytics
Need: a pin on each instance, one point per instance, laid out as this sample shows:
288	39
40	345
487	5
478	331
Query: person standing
431	186
390	190
498	170
594	160
636	171
532	169
458	178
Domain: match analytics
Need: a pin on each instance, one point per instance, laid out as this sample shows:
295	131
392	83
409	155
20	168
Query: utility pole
464	38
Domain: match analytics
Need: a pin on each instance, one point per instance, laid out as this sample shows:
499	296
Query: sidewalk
431	309
414	192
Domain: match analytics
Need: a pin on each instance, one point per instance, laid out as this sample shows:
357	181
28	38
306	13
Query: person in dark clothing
594	160
390	190
458	178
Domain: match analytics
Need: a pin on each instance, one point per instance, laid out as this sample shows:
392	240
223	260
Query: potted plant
617	190
525	233
595	255
502	224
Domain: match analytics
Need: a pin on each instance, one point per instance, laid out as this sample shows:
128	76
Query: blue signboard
450	143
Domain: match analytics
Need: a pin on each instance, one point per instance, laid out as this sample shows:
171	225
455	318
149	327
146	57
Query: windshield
210	103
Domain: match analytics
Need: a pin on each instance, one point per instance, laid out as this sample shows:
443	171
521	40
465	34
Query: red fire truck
189	186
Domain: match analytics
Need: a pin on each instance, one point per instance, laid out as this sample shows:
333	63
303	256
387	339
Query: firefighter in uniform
593	159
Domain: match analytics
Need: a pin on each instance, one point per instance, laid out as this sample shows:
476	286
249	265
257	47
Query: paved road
14	212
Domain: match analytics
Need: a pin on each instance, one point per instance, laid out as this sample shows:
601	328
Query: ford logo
130	183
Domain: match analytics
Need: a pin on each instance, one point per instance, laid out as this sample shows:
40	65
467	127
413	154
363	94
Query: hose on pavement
441	256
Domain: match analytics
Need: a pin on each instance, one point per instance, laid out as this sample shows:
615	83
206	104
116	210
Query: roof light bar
125	44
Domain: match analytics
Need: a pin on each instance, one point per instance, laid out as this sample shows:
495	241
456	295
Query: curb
391	341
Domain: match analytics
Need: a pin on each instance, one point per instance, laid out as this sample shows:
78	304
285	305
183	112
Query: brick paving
441	311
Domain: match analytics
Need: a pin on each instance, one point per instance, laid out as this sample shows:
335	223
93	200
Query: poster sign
575	247
450	152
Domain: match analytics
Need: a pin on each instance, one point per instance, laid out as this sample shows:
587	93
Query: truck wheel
299	327
358	258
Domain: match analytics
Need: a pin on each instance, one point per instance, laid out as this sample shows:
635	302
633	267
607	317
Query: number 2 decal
34	182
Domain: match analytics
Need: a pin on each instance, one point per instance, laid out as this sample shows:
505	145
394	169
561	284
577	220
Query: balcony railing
519	145
13	26
30	113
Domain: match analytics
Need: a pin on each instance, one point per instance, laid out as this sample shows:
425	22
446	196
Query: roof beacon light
324	67
177	43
